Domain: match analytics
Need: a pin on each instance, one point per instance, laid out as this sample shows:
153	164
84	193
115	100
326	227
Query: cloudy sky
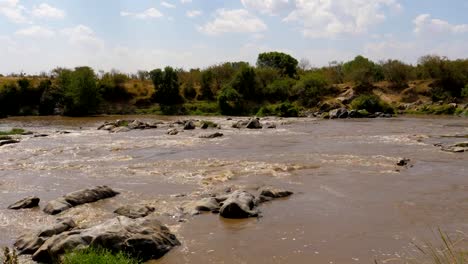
128	35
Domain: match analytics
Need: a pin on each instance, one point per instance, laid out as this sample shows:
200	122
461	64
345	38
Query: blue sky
129	35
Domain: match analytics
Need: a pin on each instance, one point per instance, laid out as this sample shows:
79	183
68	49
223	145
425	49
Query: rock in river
28	202
78	198
134	211
29	243
239	204
254	123
145	238
205	205
214	135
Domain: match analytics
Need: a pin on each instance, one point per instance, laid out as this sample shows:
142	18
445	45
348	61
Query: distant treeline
278	85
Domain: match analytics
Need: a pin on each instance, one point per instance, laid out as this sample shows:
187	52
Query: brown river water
350	204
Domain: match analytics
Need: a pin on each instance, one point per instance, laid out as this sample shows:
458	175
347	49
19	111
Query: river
351	203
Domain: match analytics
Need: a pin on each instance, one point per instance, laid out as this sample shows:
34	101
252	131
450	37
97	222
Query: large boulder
189	125
144	238
339	113
28	202
134	211
30	243
205	205
239	204
78	198
254	123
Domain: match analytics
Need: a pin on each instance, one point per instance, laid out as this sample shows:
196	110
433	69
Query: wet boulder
274	193
78	198
144	238
30	243
214	135
8	142
134	211
210	204
189	125
254	123
339	113
240	124
173	132
28	202
239	204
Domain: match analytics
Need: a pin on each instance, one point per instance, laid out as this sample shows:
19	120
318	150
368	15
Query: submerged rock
274	193
144	238
173	132
239	204
403	162
78	198
214	135
134	211
29	243
8	142
28	202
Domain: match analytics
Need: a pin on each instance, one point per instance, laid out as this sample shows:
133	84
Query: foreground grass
14	131
97	256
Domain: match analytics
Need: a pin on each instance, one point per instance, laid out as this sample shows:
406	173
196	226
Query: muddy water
351	205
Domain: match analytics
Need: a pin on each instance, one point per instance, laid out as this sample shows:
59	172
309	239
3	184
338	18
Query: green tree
207	78
230	101
50	98
166	84
397	73
245	82
362	71
310	89
286	64
80	92
9	99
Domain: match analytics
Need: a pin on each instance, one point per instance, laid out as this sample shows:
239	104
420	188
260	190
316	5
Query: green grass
97	256
14	131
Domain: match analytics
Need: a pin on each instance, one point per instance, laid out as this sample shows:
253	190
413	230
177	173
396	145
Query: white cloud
46	11
333	18
168	5
266	6
147	14
424	24
35	31
238	21
185	1
83	37
13	11
194	13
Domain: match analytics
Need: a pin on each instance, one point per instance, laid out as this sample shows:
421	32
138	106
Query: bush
310	89
285	109
465	91
97	256
279	89
230	101
372	104
81	93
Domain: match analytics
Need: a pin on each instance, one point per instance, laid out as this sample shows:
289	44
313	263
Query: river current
351	202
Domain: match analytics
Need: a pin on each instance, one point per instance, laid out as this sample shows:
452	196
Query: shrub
371	103
230	101
310	89
97	256
465	91
285	109
279	89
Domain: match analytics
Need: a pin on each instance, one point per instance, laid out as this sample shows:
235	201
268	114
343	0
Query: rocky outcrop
134	211
126	125
28	202
144	238
214	135
239	204
339	113
30	243
78	198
